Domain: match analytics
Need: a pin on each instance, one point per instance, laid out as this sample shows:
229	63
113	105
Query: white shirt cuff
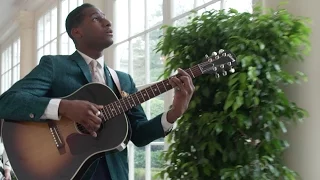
6	163
165	124
52	110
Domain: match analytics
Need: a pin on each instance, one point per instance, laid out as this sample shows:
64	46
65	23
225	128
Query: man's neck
94	54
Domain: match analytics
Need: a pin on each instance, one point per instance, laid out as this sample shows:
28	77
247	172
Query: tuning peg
214	54
229	63
206	56
232	70
224	73
221	51
217	75
222	66
214	68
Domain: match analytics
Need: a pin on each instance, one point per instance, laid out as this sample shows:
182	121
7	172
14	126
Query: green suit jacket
61	75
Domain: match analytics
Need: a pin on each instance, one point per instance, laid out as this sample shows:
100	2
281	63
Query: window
10	65
52	38
66	45
137	29
47	34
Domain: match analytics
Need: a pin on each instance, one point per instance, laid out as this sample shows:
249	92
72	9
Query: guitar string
139	95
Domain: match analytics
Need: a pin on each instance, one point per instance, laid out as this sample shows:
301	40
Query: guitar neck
122	105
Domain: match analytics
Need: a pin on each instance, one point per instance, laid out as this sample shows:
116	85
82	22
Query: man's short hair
75	18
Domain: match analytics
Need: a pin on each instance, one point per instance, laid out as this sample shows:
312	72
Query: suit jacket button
31	115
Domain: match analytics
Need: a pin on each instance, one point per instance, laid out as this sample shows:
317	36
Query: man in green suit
36	96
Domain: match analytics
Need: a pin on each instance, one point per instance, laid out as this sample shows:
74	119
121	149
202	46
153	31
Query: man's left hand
183	91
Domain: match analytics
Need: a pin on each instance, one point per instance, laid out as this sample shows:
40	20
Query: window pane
137	21
73	5
156	63
16	73
47	50
40	32
9	59
64	44
139	162
72	48
54	47
64	14
202	2
122	55
182	21
216	6
154	12
182	6
2	63
47	26
138	57
122	21
241	6
157	163
54	23
15	53
156	105
40	54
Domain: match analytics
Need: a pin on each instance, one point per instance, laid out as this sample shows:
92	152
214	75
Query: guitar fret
108	112
164	86
191	72
142	96
131	104
119	106
136	95
111	109
152	91
104	114
123	100
114	109
158	88
147	93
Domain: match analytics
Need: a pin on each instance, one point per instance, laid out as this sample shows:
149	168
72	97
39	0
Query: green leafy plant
233	127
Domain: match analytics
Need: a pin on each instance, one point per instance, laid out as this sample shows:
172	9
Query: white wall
304	152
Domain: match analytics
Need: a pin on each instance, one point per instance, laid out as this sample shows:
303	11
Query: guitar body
57	149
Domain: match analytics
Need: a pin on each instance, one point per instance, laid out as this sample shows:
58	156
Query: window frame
9	43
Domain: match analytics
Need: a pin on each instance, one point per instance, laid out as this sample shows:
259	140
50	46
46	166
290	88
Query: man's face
95	29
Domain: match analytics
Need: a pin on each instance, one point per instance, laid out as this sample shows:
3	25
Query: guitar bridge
56	134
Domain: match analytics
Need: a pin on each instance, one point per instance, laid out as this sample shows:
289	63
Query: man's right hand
82	112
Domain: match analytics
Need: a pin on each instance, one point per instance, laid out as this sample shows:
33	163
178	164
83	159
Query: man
36	96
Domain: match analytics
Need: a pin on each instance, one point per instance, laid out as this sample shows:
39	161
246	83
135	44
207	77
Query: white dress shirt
5	164
51	111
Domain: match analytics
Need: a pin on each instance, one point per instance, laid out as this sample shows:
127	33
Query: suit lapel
109	80
82	64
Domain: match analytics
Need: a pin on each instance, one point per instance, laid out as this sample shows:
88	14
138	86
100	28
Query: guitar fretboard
122	105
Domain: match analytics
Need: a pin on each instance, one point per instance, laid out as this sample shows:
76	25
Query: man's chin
108	43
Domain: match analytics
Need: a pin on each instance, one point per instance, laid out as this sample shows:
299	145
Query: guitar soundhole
83	130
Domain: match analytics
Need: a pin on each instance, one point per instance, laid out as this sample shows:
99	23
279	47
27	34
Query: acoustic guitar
64	150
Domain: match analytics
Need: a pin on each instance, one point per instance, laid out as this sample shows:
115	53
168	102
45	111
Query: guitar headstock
220	62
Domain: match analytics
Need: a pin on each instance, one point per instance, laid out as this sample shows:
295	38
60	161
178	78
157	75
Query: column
27	42
303	154
106	7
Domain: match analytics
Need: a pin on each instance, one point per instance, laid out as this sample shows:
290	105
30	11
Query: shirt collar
89	59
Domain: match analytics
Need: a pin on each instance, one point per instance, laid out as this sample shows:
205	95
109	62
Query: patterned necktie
96	76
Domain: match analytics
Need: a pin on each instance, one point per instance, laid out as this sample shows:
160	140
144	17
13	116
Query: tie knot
93	64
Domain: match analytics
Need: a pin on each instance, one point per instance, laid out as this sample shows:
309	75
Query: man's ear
76	33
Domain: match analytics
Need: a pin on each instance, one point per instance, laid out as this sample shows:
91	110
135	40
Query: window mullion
59	17
223	4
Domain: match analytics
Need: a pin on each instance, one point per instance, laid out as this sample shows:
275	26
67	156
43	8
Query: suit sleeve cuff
52	110
165	124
